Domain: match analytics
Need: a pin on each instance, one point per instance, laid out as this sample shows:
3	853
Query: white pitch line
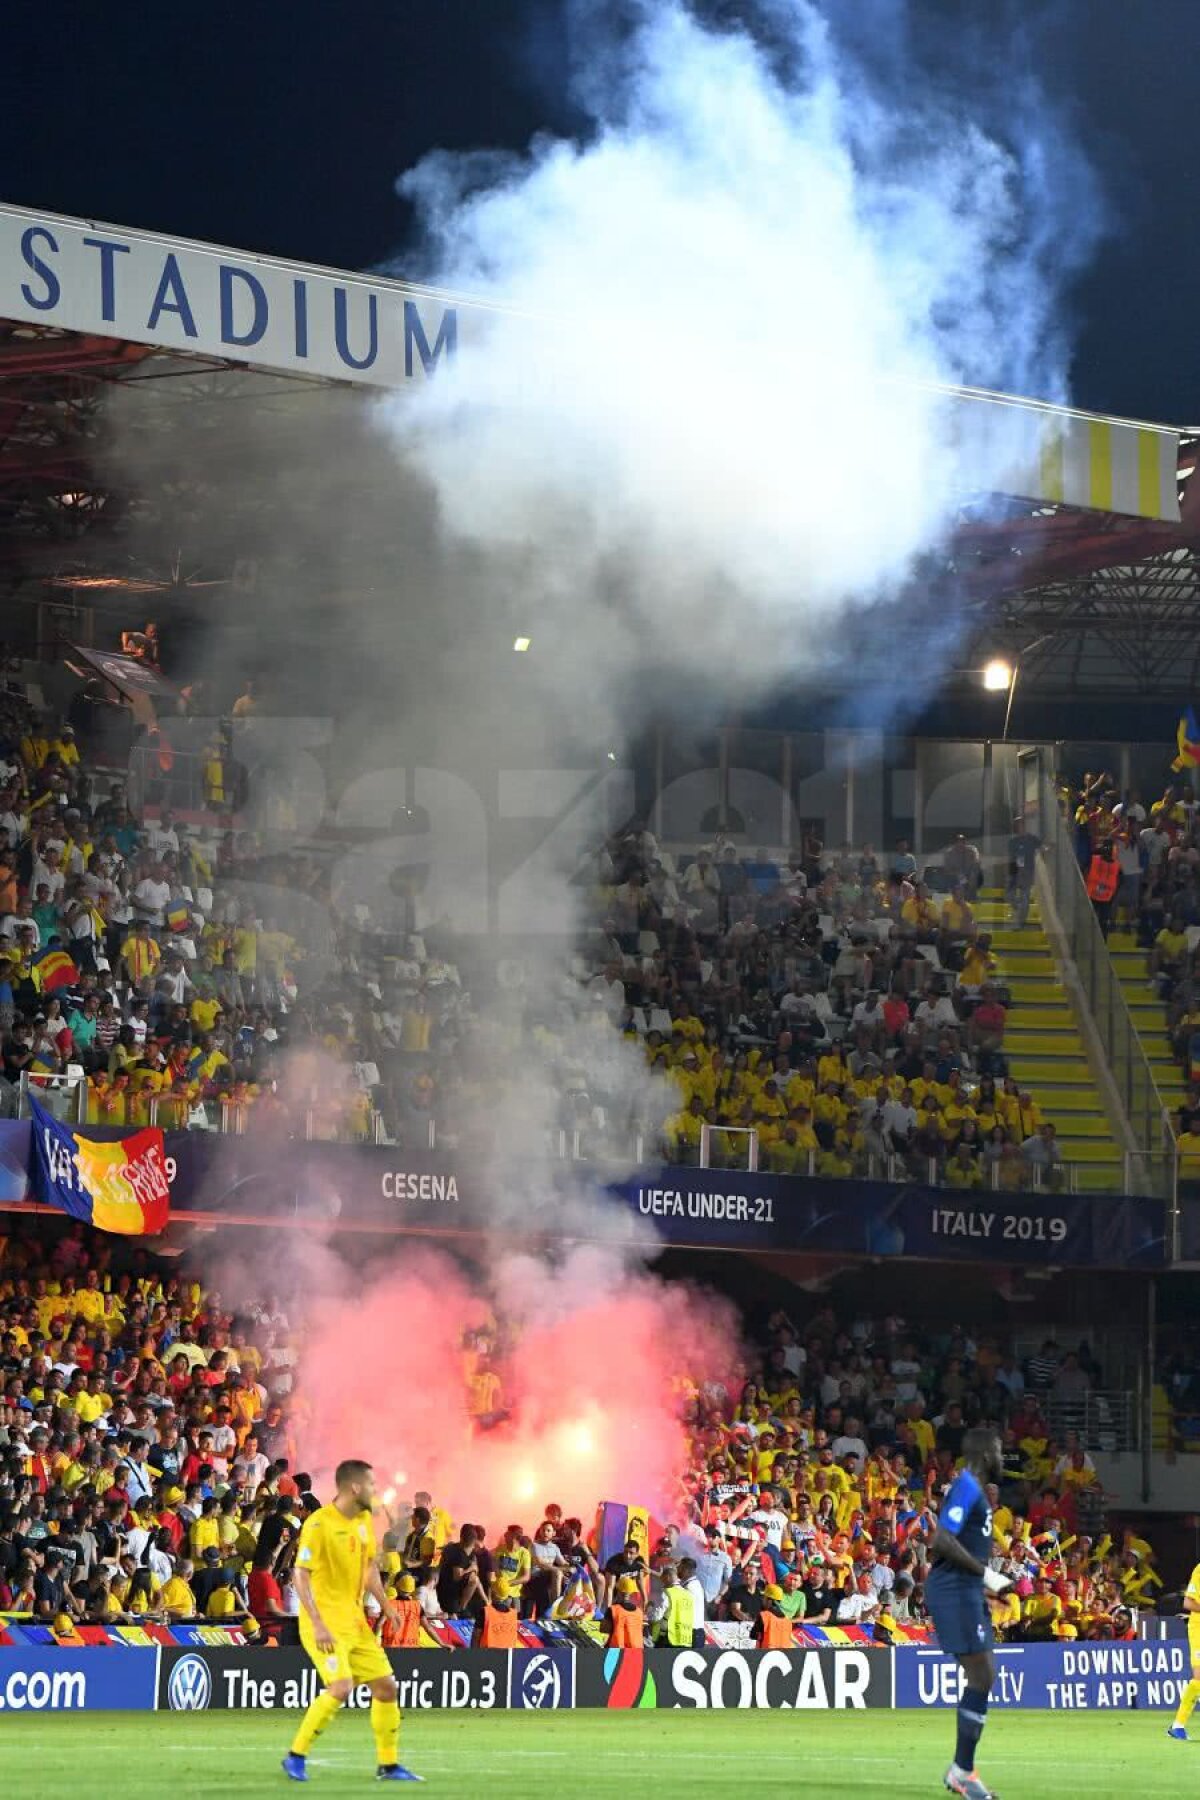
796	1758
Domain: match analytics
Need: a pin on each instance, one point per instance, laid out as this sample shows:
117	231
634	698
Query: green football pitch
1028	1756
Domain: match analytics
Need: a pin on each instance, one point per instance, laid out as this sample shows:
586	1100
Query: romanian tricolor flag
116	1184
51	970
177	916
1187	739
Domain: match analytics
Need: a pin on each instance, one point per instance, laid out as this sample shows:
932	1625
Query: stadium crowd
833	1462
834	1005
1155	900
838	1006
148	1471
204	975
193	975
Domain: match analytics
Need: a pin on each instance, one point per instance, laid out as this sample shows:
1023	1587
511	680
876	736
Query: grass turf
816	1756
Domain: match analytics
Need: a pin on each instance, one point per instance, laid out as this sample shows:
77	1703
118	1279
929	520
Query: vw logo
189	1687
541	1684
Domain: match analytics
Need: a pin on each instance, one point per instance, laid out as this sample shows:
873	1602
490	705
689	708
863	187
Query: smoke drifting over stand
710	421
704	428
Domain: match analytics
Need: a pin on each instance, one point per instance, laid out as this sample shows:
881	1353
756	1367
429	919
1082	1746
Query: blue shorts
960	1616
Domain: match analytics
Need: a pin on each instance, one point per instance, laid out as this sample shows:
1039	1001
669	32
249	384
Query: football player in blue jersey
955	1592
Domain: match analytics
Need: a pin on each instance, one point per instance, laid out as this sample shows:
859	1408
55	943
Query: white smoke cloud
705	427
708	419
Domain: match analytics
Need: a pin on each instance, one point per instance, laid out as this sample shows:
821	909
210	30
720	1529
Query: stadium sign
216	1176
1077	1677
64	1680
541	1680
249	1679
189	1685
179	295
726	1680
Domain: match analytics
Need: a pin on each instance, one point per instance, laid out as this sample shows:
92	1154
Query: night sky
282	129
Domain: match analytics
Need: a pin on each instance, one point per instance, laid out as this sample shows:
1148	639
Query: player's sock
318	1716
972	1717
1187	1702
385	1723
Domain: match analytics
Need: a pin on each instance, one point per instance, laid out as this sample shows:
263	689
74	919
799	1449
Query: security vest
499	1629
1102	878
776	1631
627	1627
680	1619
405	1634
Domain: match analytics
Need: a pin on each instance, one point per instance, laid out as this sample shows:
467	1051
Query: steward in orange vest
1103	876
498	1630
626	1620
405	1634
772	1631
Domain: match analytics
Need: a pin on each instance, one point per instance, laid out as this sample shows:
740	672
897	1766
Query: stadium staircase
1043	1044
1149	1017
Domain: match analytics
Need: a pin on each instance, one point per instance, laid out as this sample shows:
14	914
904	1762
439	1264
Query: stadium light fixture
521	644
997	676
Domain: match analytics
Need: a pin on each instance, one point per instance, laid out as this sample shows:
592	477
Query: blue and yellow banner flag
115	1184
1187	740
177	916
616	1524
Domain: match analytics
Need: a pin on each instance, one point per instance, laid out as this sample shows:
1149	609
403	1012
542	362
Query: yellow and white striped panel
1112	466
1076	459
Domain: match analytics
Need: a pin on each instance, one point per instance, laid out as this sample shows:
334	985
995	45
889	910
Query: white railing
749	1132
65	1096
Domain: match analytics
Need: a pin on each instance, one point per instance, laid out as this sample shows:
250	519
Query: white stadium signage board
189	298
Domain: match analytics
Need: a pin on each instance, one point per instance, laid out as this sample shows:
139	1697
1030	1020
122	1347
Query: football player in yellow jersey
1191	1693
336	1564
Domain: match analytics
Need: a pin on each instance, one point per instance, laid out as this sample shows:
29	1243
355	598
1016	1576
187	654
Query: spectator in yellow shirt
1006	1613
440	1522
963	1170
140	954
1187	1145
222	1602
204	1012
416	1028
1041	1610
65	747
93	1403
958	921
88	1300
205	1533
1170	948
177	1599
919	915
245	948
682	1129
921	1429
978	964
771	1104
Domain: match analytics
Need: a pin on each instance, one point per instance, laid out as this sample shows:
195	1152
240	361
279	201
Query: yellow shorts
357	1656
1194	1642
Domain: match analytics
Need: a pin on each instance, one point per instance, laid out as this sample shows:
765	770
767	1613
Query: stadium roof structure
1086	574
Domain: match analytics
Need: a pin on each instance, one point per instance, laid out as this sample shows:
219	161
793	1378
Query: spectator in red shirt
198	1459
39	1471
171	1523
180	1378
266	1596
896	1016
214	1375
985	1031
